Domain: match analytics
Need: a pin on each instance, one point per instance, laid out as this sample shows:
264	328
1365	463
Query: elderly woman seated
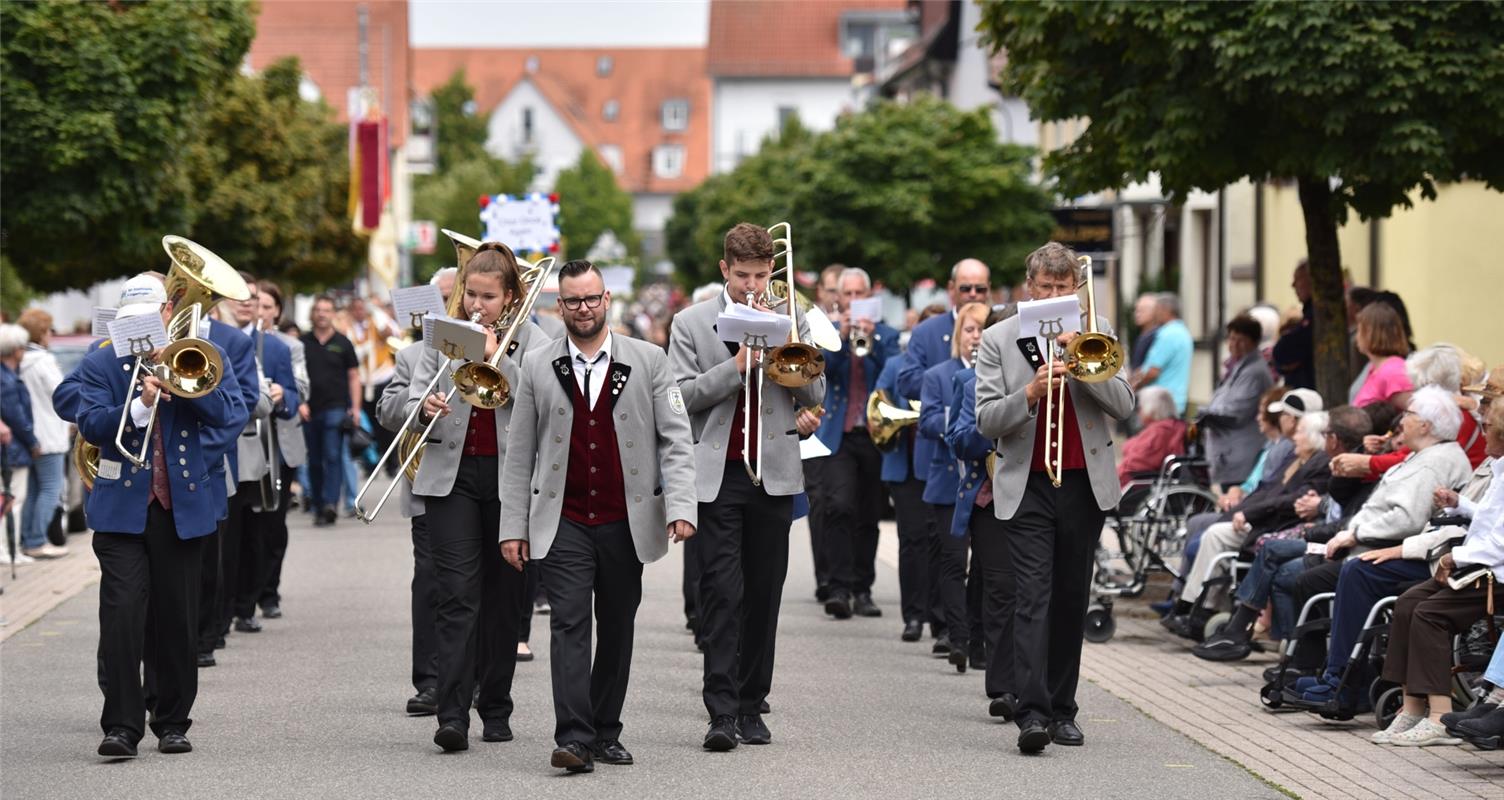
1162	434
1270	508
1429	614
1399	508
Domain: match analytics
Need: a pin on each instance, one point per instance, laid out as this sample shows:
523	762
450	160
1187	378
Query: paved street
312	707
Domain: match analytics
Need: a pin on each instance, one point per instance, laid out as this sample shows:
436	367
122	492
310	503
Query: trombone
189	367
266	436
1091	357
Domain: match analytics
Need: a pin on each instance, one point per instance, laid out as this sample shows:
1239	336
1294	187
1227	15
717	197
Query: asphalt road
313	707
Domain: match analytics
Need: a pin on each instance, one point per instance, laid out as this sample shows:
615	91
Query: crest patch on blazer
676	400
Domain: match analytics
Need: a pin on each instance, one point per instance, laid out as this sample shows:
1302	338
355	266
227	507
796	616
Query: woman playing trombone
479	599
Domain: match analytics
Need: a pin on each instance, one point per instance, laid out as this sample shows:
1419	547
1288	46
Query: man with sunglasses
929	344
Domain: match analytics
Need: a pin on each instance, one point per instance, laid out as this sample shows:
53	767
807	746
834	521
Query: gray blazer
1003	415
441	456
1231	450
290	431
391	410
650	424
705	370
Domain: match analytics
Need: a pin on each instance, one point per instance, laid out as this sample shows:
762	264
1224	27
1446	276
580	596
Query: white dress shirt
1485	535
593	369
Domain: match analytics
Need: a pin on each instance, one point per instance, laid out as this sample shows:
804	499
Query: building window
610	110
675	115
531	65
786	113
611	156
859	39
668	161
603	65
527	125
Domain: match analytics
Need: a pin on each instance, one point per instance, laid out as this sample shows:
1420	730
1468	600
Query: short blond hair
970	311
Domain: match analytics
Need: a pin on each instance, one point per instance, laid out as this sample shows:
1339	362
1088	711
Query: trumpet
861	345
885	420
1092	357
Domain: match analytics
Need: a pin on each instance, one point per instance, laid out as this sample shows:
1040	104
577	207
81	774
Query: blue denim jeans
43	489
1258	587
326	443
1495	672
1361	584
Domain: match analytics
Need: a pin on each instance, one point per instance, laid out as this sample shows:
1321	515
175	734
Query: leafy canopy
591	203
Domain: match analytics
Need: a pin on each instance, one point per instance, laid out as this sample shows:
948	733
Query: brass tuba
885	420
1091	357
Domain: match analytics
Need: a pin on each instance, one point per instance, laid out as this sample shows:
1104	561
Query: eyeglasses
972	288
589	300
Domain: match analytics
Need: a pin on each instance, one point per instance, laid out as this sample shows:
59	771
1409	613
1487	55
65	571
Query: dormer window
675	115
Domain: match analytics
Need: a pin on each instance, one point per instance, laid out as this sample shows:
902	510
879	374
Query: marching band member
294	451
848	520
150	525
828	298
743	534
1052	531
600	469
391	410
942	484
459	483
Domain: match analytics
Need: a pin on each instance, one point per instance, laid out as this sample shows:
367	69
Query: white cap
1296	403
143	294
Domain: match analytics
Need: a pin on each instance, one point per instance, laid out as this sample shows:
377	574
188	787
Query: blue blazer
934	414
898	464
838	375
122	492
969	446
15	409
929	344
65	396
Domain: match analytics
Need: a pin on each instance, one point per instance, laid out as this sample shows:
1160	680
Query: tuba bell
885	420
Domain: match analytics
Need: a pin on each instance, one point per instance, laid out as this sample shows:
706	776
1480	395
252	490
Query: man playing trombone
744	513
1052	526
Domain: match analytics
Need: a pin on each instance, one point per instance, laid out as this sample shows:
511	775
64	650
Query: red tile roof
641	79
783	38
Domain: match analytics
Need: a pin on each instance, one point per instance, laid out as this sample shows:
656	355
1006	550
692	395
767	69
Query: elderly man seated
1399	508
1432	612
1269	508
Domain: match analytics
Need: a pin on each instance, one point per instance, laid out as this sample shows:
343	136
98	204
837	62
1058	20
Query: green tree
591	203
460	131
451	198
14	293
101	104
901	189
1361	104
271	182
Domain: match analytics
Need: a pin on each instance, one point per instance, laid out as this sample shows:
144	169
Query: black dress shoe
206	659
838	606
117	744
574	757
1481	709
912	630
1223	647
497	731
941	647
753	730
822	593
1005	706
978	657
219	643
610	751
1066	733
423	703
722	734
271	611
1485	732
764	708
1032	737
862	606
452	738
247	625
957	658
173	742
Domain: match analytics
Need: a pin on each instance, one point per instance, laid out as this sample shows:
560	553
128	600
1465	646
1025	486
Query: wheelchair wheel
1272	696
1100	626
1215	624
1388	706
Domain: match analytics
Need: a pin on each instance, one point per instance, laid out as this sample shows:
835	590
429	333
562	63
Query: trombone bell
482	385
885	420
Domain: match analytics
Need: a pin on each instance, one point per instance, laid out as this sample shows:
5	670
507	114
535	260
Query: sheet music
138	335
748	326
414	302
1049	318
457	339
102	318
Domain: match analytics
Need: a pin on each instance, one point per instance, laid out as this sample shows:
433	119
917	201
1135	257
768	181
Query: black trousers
591	566
851	512
1052	540
990	560
532	586
689	585
211	576
743	543
815	490
952	573
245	570
424	600
913	518
479	596
274	539
1310	653
153	576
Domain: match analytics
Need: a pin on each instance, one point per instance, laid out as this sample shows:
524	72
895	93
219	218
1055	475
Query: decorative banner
526	223
423	236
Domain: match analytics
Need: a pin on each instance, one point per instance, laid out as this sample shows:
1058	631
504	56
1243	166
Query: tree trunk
1324	258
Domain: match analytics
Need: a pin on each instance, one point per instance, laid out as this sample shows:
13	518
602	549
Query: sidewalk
40	586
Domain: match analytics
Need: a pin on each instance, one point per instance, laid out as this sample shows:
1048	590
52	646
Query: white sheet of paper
138	335
428	329
457	339
748	326
102	318
868	308
812	447
822	332
1049	318
413	302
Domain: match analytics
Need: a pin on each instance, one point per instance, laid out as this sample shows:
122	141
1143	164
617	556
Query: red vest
594	490
734	444
1072	457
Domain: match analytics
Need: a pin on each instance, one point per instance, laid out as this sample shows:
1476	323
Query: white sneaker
1402	722
21	558
48	550
1424	734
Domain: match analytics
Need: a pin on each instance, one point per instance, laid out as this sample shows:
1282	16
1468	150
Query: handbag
360	438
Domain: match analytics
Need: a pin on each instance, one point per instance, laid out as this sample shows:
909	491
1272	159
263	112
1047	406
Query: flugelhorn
1091	357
